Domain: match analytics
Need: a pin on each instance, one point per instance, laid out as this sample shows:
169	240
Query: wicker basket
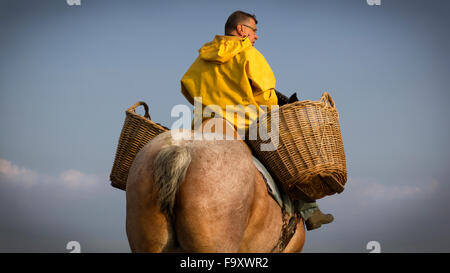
309	161
136	132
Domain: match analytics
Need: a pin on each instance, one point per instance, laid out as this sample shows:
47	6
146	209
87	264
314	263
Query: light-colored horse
201	196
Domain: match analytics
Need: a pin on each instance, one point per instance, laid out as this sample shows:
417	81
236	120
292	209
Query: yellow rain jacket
230	71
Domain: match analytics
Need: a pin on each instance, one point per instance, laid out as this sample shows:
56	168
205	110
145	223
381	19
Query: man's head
242	24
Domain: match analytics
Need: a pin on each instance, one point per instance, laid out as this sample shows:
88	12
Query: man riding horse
230	71
211	195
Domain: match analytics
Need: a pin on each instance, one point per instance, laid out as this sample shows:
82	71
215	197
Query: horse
202	195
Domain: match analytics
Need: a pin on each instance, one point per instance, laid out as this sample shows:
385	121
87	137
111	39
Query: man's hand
282	99
293	98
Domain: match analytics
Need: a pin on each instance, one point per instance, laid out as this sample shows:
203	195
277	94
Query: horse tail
169	170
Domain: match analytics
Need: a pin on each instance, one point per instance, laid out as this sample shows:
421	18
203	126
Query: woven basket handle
326	97
139	103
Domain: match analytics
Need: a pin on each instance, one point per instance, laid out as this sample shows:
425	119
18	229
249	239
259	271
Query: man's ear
240	30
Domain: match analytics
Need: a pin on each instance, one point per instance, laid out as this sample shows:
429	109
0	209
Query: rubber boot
317	219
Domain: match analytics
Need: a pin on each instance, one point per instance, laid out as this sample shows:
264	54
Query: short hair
237	18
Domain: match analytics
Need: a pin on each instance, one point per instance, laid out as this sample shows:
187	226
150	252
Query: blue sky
68	73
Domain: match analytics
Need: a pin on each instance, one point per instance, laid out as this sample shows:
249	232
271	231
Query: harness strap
288	230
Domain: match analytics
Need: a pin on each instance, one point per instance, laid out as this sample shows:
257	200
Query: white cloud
370	190
75	179
17	175
69	179
377	191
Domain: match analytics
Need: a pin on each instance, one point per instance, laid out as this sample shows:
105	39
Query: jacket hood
223	48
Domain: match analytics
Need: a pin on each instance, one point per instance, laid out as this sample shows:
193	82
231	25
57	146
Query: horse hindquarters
213	198
214	203
205	185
